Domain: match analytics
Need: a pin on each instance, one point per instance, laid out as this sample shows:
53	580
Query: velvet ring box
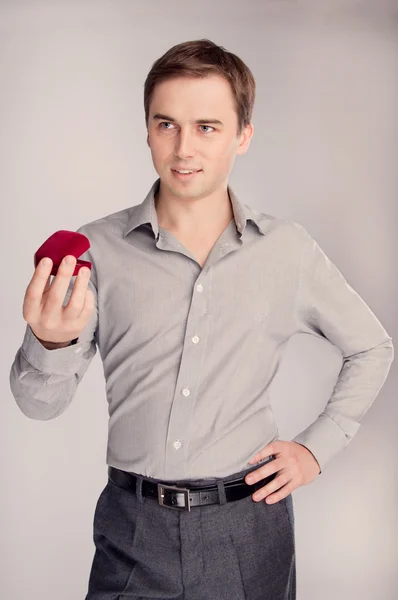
60	244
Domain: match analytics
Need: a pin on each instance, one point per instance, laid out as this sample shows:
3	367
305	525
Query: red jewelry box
60	244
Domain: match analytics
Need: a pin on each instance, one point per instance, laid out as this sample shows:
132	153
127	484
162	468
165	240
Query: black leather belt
182	497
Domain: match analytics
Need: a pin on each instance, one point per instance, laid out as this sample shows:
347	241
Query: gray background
324	153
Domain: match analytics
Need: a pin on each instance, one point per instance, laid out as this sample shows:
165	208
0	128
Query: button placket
181	416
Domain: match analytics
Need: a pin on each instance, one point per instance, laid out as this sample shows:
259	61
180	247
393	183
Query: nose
184	145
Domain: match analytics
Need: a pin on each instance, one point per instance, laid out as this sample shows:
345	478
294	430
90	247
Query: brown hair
200	58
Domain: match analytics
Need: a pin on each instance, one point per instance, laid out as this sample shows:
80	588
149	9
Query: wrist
55	345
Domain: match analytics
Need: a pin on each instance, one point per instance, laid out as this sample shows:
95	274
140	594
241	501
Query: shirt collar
146	213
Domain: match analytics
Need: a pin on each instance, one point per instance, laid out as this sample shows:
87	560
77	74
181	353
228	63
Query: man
192	298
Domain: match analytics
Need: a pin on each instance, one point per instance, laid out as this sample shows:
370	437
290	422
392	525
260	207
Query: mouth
185	174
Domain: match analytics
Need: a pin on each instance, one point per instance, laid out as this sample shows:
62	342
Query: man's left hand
295	465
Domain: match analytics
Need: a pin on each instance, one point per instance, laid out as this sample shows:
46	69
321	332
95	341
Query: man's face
178	142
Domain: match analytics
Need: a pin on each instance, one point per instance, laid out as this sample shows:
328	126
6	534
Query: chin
182	190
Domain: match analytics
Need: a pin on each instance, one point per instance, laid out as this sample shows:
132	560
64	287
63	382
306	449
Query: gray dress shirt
189	353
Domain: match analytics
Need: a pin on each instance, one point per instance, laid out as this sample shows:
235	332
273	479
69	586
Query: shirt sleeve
327	306
44	382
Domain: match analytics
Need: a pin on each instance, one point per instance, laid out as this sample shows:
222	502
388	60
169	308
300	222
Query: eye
168	128
208	126
164	123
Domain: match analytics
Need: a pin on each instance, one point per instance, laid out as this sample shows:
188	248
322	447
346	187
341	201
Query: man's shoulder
283	226
107	220
112	223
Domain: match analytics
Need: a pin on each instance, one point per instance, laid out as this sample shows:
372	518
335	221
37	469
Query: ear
245	138
147	140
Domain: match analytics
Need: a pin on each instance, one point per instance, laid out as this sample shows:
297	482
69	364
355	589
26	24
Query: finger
38	284
59	286
47	284
262	472
280	494
75	306
266	451
88	308
271	487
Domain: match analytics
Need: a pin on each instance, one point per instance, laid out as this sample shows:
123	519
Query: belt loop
138	488
221	492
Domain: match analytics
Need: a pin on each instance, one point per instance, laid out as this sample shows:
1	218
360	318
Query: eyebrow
198	121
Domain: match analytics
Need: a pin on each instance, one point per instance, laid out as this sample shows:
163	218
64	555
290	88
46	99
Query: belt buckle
174	488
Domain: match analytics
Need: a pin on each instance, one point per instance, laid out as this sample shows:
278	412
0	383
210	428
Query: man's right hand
51	322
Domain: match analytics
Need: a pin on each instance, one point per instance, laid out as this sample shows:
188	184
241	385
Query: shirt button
186	391
195	339
199	287
177	444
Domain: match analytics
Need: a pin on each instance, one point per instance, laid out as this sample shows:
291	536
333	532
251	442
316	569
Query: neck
200	215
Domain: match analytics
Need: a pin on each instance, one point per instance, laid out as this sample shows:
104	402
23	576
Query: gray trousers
239	550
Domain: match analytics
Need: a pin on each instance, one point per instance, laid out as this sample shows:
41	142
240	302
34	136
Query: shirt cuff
323	438
61	360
